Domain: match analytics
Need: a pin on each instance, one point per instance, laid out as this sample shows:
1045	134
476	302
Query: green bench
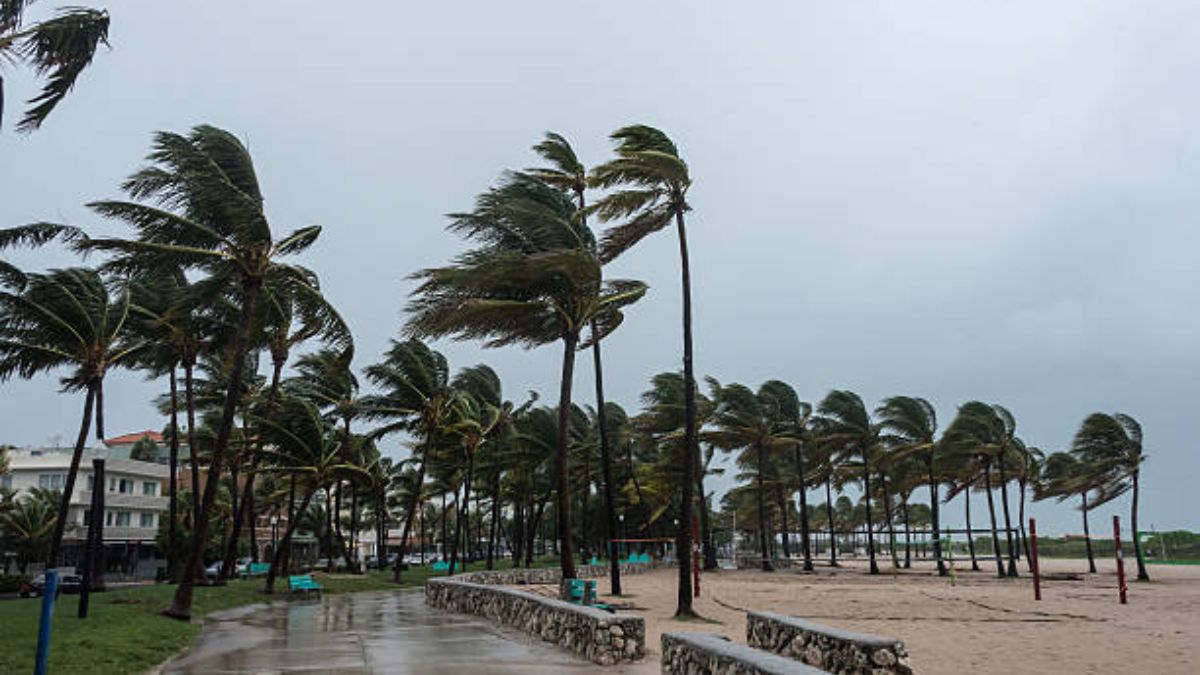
583	592
305	583
256	570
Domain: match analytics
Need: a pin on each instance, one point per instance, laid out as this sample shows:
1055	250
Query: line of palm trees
205	295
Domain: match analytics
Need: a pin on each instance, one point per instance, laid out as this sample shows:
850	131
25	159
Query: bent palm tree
534	279
58	49
66	319
910	424
1064	476
651	182
846	427
1111	448
199	208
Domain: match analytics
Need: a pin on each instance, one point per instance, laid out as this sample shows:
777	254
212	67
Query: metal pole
1033	560
1122	588
49	591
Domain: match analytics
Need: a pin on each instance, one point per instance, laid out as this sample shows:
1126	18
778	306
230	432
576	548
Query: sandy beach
981	624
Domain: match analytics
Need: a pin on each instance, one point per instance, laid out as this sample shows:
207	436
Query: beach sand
980	625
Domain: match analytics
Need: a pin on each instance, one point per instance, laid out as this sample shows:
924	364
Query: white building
135	498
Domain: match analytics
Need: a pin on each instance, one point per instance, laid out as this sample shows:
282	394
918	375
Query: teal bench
595	562
441	566
256	570
304	583
583	592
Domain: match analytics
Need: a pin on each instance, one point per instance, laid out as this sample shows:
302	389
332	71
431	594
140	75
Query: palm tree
1110	446
910	426
977	435
846	427
58	48
762	424
70	319
802	416
416	397
28	525
569	175
198	207
300	442
650	182
534	279
1064	476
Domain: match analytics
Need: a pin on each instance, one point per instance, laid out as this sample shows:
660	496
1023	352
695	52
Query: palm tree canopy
533	278
653	182
67	318
57	49
1110	447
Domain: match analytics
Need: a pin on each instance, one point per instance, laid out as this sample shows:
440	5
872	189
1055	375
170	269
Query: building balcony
116	500
113	534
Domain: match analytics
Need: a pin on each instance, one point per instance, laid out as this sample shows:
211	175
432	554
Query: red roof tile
129	439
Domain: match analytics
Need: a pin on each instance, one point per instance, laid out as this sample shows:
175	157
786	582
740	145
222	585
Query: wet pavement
385	632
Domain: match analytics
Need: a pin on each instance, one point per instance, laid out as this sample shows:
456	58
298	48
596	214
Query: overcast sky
957	200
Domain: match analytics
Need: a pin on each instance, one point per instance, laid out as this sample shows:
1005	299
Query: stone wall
545	575
594	634
707	654
833	650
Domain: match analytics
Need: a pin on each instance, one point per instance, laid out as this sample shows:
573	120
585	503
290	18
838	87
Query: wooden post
1122	588
1033	560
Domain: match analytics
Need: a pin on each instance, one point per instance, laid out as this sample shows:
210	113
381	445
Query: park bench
305	583
583	592
441	566
256	570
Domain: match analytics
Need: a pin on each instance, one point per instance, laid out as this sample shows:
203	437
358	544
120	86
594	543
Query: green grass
125	632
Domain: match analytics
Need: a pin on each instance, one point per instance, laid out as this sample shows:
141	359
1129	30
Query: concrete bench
707	654
835	650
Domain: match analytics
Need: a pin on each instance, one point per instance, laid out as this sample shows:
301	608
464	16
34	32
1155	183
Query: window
51	481
112	484
147	520
150	489
121	485
122	519
87	518
108	518
6	481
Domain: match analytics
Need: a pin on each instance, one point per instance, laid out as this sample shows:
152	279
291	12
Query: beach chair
304	583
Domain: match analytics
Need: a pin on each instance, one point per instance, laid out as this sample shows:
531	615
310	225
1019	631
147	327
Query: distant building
135	500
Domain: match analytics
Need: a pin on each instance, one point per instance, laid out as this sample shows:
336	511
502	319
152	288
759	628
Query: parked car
68	583
213	571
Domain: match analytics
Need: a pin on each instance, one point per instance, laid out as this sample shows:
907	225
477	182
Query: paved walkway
385	632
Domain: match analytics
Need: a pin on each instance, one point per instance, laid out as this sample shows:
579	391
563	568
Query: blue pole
49	591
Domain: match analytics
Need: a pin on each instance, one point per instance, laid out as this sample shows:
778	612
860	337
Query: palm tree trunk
832	526
241	511
933	516
987	480
464	515
173	482
583	506
414	503
278	556
1142	575
1024	543
1012	558
907	534
562	469
783	504
533	529
181	604
99	406
1087	535
189	396
610	506
683	545
805	544
354	529
870	521
970	537
708	550
64	508
760	490
492	529
891	521
291	515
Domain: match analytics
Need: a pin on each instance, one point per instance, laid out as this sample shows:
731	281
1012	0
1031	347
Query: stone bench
837	651
594	634
707	654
